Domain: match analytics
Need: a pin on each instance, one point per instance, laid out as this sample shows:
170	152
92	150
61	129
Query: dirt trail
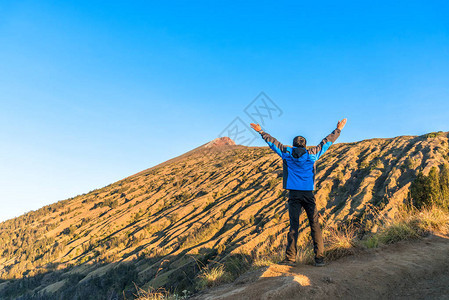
406	270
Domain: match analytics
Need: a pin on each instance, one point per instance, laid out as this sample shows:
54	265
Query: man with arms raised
299	180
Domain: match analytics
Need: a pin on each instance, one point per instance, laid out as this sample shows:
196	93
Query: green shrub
398	231
69	230
433	189
371	242
432	134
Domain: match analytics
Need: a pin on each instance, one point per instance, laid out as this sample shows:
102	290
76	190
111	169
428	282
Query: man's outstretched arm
319	150
273	143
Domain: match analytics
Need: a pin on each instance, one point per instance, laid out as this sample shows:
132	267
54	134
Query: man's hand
256	127
341	124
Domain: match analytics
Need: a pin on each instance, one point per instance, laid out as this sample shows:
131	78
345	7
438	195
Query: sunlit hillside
218	203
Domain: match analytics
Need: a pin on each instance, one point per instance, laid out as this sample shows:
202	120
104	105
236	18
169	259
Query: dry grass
267	253
263	262
340	243
407	225
212	276
433	219
151	294
267	260
158	294
413	224
337	243
398	230
305	254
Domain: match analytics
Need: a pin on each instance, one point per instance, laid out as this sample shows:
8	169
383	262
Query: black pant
297	200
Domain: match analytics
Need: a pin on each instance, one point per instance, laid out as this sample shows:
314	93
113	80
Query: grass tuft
158	294
413	224
340	243
371	242
212	276
305	254
433	219
267	260
398	231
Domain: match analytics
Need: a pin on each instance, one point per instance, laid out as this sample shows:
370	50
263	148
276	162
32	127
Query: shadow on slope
119	280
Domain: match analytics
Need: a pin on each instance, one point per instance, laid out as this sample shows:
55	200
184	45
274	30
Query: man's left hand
256	127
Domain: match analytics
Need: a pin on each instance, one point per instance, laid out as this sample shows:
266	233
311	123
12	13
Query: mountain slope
216	202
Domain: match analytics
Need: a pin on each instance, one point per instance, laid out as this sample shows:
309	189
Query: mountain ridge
161	225
219	142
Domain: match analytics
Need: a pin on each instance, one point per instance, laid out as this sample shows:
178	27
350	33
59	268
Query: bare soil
406	270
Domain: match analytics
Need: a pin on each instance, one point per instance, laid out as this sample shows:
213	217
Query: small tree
444	184
435	188
420	191
432	189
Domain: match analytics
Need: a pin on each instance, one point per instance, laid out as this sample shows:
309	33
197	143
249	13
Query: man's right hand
341	124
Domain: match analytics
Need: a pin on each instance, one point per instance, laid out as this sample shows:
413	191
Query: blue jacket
298	162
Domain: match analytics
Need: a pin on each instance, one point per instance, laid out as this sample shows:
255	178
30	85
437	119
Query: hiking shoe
288	262
319	262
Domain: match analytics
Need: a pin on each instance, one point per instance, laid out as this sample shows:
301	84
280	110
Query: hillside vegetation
219	206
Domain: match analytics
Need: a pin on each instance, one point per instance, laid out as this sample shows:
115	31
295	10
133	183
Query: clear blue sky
94	91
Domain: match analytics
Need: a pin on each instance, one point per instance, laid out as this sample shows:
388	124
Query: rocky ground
406	270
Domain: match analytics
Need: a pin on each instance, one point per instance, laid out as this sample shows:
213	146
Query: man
299	180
